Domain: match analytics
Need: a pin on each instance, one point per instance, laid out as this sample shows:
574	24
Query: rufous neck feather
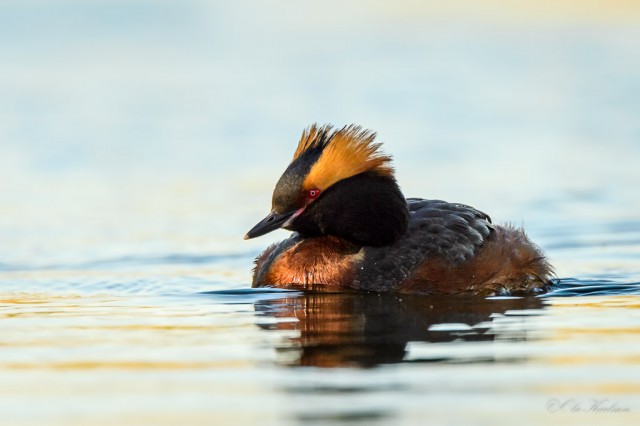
345	152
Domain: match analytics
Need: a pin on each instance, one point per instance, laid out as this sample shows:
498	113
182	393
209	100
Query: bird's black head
339	184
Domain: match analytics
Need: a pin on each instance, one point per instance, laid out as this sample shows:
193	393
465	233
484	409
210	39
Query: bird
354	230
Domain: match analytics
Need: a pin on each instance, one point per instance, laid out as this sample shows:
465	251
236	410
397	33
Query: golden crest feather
346	152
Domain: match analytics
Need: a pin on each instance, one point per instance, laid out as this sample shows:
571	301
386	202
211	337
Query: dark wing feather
437	229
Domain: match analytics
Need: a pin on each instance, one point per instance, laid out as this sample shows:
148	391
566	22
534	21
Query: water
139	141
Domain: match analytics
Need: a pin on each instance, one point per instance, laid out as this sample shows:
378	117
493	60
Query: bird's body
354	230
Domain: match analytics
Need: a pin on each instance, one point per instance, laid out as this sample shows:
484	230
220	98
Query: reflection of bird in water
355	230
358	329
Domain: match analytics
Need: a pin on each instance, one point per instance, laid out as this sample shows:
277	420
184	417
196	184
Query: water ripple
596	287
131	261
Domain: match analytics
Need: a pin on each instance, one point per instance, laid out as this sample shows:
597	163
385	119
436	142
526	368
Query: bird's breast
319	263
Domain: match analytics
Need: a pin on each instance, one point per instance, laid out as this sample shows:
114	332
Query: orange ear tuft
349	151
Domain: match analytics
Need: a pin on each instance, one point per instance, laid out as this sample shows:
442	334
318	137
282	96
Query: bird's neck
366	209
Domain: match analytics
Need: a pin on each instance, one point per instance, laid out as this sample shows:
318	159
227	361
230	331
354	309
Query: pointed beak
270	223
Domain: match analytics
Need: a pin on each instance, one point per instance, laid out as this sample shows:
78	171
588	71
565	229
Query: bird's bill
270	223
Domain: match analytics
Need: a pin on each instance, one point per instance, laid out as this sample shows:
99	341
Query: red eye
313	193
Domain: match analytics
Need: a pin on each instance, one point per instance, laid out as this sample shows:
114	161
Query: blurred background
151	129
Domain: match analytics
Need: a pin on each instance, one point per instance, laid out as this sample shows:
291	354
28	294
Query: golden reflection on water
200	357
71	332
325	330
